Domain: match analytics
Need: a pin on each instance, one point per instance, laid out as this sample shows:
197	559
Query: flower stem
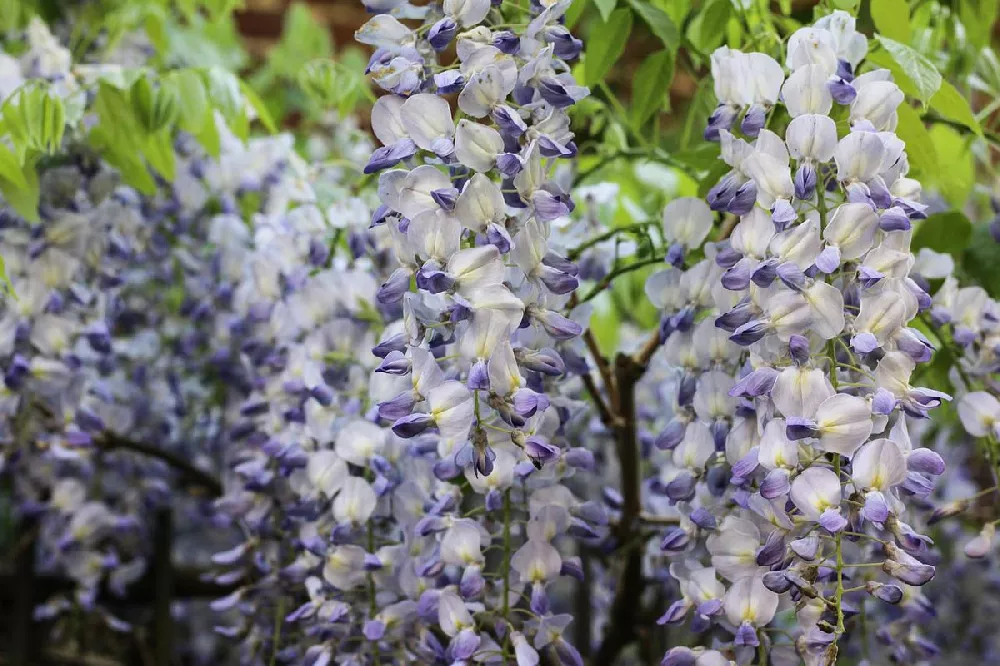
839	596
279	617
506	569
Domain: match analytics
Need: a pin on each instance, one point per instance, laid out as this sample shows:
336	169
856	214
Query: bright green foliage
955	165
302	74
35	119
605	7
659	24
915	74
650	87
602	53
339	84
944	232
707	29
949	103
892	19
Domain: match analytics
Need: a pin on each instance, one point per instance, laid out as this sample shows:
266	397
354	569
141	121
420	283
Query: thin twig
599	361
197	476
605	282
575	253
645	353
659	520
607	418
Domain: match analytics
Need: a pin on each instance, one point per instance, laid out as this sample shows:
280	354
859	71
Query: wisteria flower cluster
790	461
142	335
365	388
466	382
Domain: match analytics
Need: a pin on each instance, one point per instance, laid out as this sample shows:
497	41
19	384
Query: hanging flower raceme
791	457
466	381
185	338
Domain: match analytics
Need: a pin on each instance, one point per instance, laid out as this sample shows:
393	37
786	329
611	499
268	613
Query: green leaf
240	126
955	164
677	10
303	38
605	7
120	137
911	67
263	115
24	200
605	324
203	43
651	86
919	146
319	79
35	118
155	27
134	172
217	9
224	91
981	260
659	24
118	124
159	152
208	135
602	53
892	18
943	232
10	168
703	157
952	105
978	17
708	28
191	90
574	12
699	109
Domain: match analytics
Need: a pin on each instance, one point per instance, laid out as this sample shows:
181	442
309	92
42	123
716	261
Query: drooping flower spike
790	431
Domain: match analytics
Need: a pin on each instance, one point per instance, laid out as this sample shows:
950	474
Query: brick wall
260	22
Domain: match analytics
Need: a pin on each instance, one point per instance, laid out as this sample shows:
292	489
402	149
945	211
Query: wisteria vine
367	386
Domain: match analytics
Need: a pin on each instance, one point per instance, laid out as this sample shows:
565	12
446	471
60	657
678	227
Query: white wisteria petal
427	118
852	229
480	204
814	491
859	156
416	187
812	137
467	12
826	304
387	123
878	465
800	391
979	412
687	221
477	146
806	91
844	423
